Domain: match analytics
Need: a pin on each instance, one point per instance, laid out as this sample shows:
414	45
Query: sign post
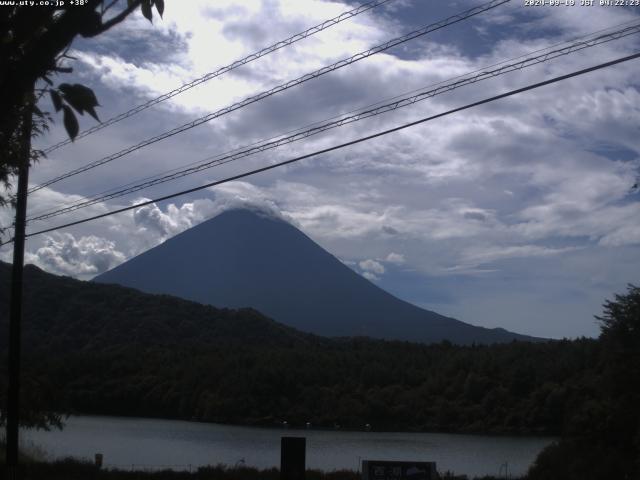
292	458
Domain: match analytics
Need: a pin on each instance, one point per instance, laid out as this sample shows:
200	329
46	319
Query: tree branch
117	19
108	7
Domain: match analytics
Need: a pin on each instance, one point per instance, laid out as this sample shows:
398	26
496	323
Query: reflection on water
140	443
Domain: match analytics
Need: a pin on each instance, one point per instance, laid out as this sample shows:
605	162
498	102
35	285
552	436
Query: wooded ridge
105	349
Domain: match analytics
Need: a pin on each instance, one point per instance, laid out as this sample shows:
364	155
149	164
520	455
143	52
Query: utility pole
15	309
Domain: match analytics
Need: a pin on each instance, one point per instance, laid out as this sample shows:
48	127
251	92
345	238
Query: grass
71	469
35	467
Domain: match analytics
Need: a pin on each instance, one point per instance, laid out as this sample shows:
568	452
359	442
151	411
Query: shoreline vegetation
36	466
72	469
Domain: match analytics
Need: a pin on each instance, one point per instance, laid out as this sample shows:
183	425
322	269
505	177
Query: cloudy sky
520	213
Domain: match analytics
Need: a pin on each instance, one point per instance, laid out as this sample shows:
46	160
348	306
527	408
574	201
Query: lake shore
299	428
139	443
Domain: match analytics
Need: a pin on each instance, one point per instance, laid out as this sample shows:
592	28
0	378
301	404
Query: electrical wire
299	129
342	145
222	70
399	102
292	83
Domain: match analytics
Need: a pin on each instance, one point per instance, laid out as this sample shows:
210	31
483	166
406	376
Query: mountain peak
251	211
255	258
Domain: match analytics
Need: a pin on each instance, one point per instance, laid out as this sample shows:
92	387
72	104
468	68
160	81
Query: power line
222	70
399	102
342	145
239	153
345	62
292	83
582	38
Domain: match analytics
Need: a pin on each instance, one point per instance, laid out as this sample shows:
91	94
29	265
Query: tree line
105	349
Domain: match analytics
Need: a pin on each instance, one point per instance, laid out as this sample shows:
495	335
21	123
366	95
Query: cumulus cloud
84	257
173	220
372	277
372	266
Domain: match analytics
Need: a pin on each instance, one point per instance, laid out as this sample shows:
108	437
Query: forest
105	349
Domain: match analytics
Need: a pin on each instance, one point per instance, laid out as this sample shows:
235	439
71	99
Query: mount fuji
246	258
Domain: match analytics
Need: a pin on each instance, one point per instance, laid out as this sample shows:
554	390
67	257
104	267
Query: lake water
149	444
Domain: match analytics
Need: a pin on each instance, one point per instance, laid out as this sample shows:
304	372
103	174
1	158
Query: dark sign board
292	458
386	470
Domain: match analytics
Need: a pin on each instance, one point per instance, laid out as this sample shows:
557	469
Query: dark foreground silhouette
74	470
104	349
93	348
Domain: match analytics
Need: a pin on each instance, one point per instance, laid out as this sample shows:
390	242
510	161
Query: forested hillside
112	350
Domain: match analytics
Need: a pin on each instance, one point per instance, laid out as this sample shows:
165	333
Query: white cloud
241	194
372	266
488	254
395	258
214	36
628	234
372	277
85	257
172	221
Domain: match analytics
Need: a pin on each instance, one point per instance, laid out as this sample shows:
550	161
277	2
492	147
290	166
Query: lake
151	443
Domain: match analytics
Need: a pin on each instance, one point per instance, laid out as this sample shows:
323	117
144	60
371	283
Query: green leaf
81	98
159	6
145	6
91	111
56	99
70	122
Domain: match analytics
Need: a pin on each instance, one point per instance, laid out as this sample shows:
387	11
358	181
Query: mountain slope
243	258
62	314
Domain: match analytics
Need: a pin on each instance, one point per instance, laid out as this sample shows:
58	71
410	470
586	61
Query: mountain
244	258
